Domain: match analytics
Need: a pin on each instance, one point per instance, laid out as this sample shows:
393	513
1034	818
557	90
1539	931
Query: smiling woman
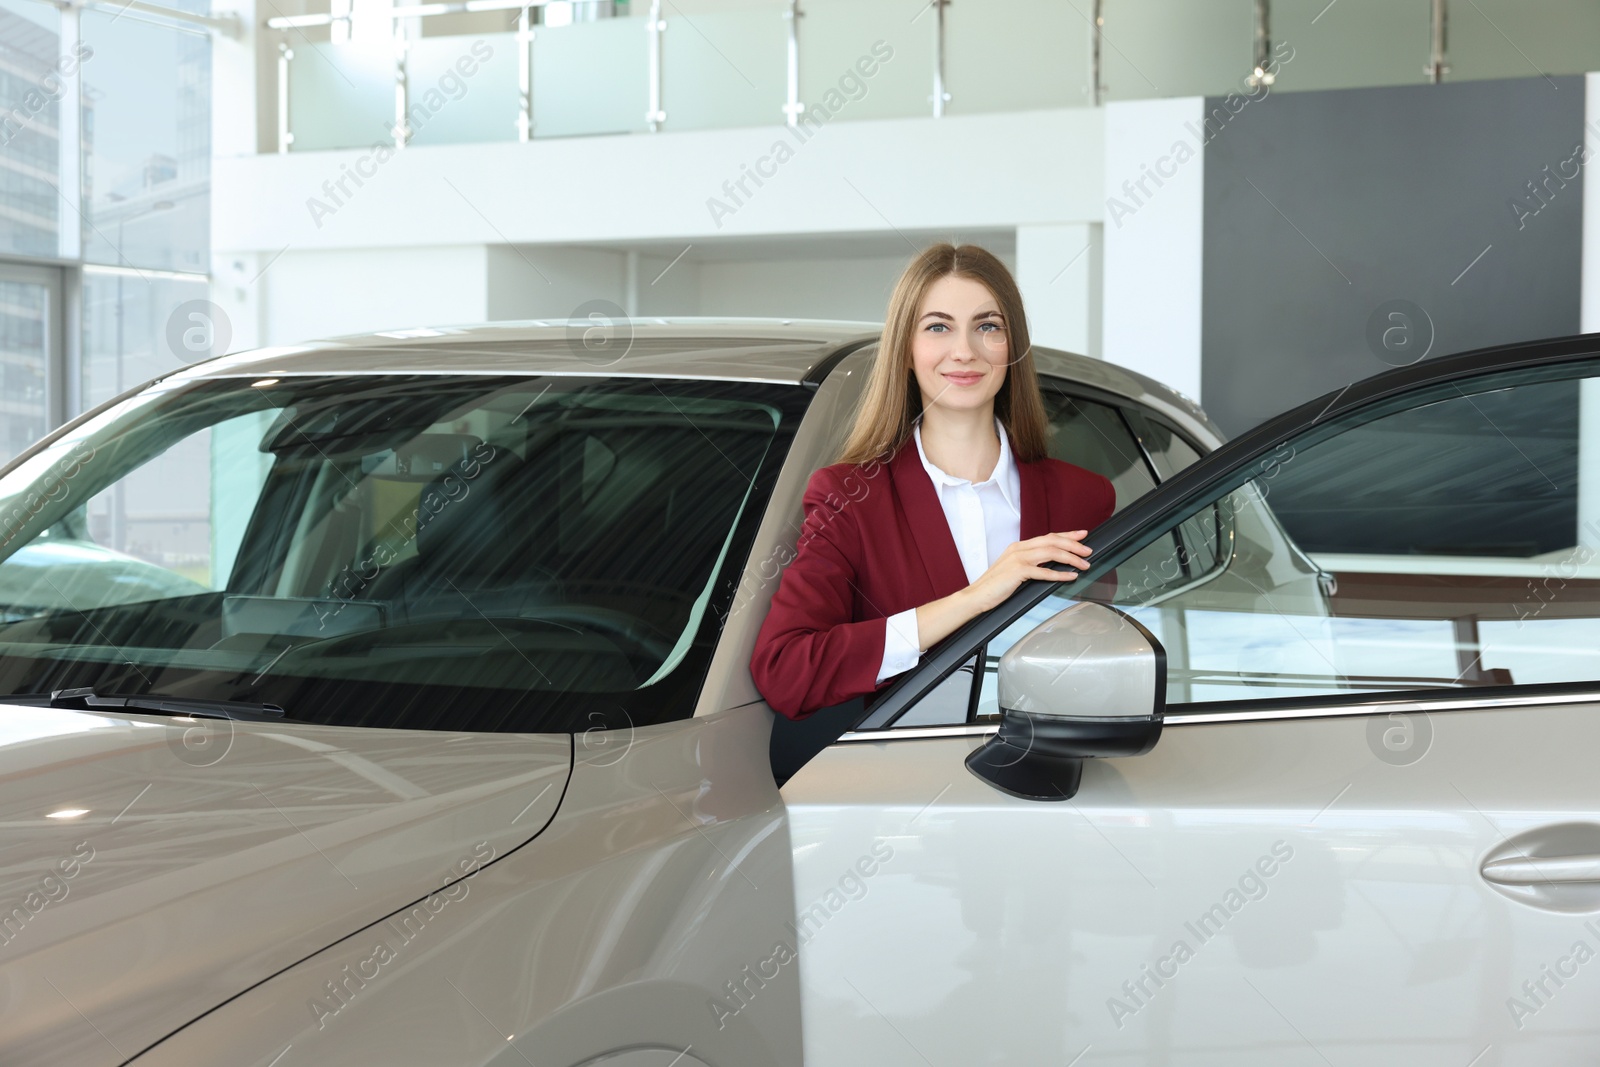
942	532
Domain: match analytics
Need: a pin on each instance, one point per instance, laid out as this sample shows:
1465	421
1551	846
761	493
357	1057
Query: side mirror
1089	682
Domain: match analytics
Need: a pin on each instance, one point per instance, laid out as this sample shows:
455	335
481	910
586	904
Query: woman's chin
957	399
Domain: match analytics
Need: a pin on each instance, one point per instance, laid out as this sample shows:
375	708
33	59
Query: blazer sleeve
810	652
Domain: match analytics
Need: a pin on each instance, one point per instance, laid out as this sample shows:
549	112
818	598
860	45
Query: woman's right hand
1023	560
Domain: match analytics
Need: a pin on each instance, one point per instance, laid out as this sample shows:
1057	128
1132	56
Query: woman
943	501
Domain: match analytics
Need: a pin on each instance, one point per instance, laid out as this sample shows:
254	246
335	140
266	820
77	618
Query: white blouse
984	517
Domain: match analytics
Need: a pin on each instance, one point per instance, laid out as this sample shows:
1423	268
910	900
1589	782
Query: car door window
1093	435
1447	541
1167	448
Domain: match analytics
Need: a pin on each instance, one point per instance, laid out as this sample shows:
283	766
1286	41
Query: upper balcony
480	71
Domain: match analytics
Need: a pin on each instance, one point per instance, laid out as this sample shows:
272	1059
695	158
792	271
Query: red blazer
875	542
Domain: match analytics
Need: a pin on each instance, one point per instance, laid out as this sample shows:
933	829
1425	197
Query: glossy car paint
1359	925
211	855
1374	911
612	938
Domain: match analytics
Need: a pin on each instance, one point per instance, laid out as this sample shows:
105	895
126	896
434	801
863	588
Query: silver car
452	756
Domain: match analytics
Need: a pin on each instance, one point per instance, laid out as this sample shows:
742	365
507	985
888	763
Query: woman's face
959	349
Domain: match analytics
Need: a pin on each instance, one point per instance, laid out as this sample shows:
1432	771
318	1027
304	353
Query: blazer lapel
920	502
1035	508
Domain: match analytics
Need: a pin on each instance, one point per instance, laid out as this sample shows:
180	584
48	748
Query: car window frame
1168	425
1239	461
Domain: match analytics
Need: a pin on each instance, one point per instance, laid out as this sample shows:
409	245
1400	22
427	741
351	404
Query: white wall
323	294
540	283
1058	269
444	234
870	176
853	288
1153	240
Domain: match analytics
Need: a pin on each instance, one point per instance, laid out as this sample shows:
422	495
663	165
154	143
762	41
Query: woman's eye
994	325
941	327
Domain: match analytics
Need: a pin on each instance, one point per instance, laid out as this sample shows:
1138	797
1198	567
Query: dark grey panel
1325	210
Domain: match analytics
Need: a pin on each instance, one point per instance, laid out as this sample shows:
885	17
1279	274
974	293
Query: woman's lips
964	379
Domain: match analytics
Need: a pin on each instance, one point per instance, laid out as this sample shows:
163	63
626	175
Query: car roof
774	350
790	351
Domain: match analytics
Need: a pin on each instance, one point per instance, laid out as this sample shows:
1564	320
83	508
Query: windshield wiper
88	699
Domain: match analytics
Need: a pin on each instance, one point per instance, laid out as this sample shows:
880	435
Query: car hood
152	868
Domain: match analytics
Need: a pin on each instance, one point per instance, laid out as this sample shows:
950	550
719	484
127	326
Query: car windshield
453	552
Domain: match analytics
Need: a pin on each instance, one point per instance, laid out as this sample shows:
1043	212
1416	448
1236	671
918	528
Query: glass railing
559	69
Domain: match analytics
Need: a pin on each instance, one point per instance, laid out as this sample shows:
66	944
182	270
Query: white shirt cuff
900	651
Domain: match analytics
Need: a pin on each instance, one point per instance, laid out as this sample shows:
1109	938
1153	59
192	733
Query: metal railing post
1437	68
792	106
285	136
1262	49
402	121
1097	21
525	75
656	116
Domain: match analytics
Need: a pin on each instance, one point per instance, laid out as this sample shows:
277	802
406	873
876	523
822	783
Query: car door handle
1521	870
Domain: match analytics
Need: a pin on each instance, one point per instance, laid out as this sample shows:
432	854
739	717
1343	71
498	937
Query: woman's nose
963	348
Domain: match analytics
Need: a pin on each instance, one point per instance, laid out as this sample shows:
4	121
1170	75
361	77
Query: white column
1588	534
1154	211
239	126
1059	273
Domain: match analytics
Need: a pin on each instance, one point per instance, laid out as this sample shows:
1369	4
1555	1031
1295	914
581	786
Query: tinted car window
1093	435
1438	545
1169	451
428	551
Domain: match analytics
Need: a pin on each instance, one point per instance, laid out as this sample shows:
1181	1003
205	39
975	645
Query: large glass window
1449	542
105	147
128	328
32	62
147	166
27	312
422	551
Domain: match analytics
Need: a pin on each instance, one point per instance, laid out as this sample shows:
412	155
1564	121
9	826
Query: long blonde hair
891	400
